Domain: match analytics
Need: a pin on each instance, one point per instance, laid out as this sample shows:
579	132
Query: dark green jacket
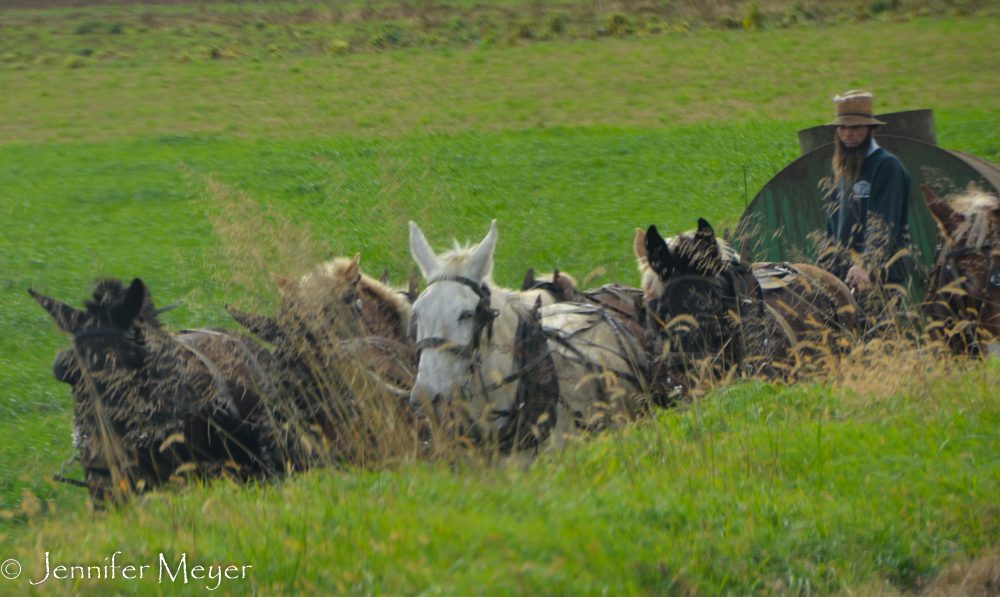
872	219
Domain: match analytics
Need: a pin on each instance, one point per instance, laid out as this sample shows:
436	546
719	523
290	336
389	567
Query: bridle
738	291
513	434
482	320
102	331
127	334
715	285
949	266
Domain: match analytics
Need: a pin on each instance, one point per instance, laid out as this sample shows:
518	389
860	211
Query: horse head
107	355
685	291
963	295
451	315
106	335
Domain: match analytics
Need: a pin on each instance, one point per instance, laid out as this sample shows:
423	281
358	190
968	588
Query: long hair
848	161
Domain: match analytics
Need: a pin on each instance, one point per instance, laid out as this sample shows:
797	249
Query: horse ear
658	254
413	290
706	258
264	327
705	236
480	264
640	243
66	317
353	268
135	298
285	286
745	257
529	279
947	218
422	253
384	278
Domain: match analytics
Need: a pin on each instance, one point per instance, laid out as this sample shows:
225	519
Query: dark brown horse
963	294
150	405
706	306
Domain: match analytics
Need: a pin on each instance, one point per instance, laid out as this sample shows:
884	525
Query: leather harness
992	284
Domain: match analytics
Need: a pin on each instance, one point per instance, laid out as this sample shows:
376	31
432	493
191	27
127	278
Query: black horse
150	405
708	307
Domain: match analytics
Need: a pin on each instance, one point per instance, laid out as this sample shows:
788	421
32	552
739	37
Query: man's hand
858	278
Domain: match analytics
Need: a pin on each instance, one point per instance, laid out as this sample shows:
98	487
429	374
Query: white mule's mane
455	264
978	228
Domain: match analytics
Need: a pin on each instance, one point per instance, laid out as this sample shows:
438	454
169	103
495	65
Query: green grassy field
832	487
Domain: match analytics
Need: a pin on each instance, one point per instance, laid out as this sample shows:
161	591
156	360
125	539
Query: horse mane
454	263
684	245
109	293
337	269
978	209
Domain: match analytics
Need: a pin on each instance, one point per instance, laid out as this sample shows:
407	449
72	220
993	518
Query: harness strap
527	368
628	347
169	307
783	323
243	348
581	359
129	334
220	381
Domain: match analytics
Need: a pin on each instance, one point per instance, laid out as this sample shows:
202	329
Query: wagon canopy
790	207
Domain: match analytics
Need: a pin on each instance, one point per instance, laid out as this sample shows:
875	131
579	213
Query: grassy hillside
653	81
871	477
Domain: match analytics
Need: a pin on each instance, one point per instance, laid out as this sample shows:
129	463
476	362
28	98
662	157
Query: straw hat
854	108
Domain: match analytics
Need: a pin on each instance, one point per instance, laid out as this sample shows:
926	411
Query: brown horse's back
805	305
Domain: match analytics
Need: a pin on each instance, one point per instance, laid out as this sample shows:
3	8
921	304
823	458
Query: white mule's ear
422	253
481	263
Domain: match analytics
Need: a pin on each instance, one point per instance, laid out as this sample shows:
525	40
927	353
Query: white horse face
445	312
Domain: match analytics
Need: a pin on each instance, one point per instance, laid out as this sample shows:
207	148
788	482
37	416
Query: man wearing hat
868	219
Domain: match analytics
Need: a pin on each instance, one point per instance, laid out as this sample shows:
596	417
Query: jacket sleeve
887	211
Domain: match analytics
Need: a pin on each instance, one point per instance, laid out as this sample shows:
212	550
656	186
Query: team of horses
516	370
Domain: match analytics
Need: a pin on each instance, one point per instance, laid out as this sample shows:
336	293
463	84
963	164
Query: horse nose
418	397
